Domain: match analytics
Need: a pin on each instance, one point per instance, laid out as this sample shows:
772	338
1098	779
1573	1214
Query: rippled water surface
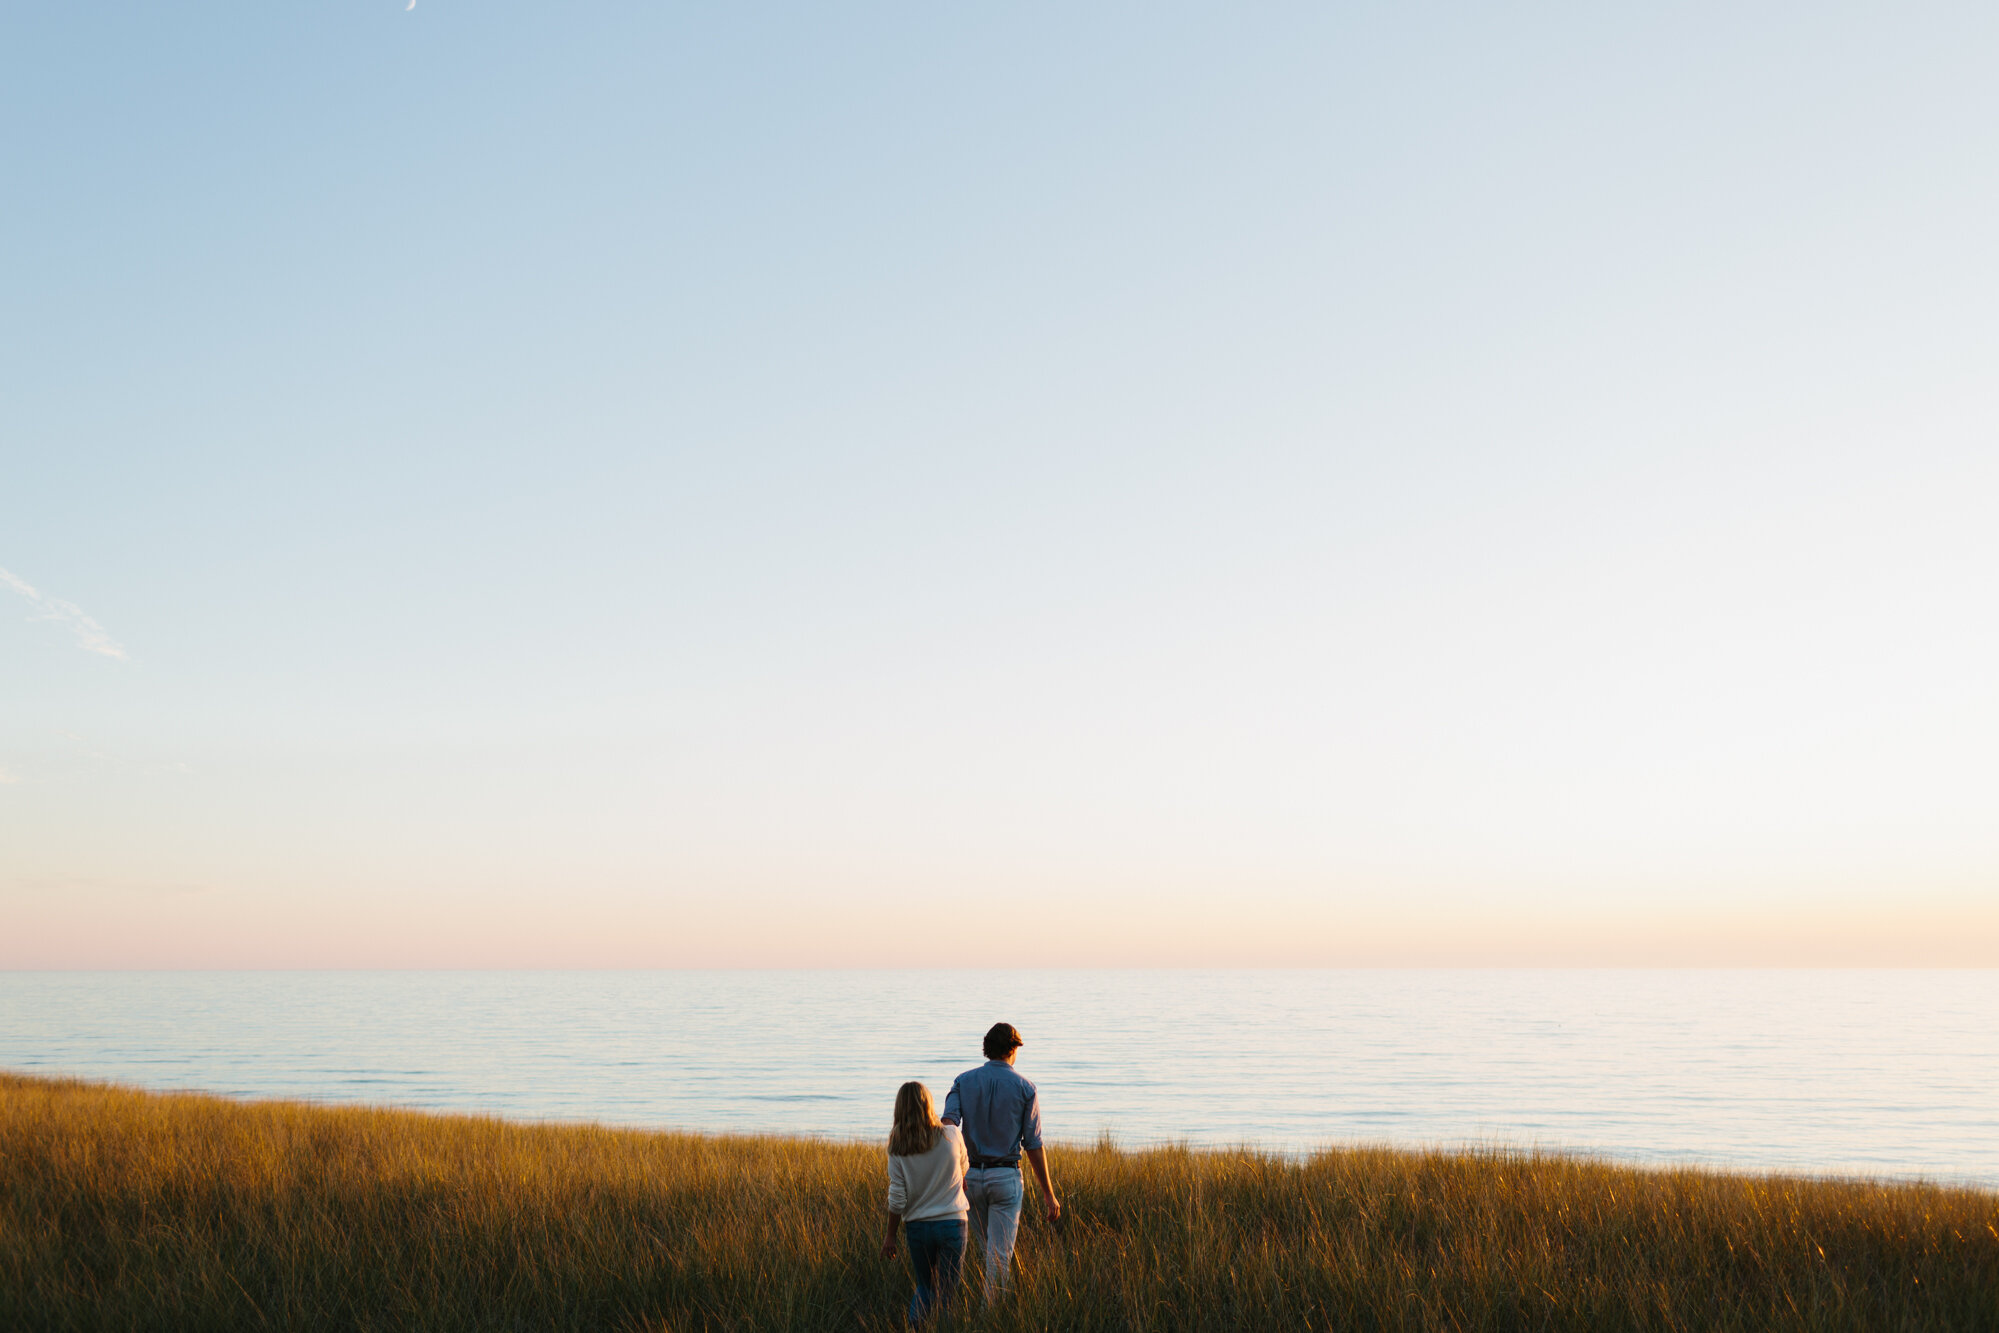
1891	1072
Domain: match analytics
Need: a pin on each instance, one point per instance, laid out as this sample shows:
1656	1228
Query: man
1000	1114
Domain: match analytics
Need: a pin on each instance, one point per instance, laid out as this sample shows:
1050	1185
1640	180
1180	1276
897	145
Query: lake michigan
1892	1073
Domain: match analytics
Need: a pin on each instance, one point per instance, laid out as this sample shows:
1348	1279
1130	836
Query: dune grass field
132	1210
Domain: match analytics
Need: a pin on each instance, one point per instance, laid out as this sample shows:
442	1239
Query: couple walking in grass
964	1166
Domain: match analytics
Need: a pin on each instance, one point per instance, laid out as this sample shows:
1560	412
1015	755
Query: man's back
999	1110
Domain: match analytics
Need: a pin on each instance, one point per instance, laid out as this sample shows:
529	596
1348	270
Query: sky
506	485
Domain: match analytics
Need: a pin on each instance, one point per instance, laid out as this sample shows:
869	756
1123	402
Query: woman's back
931	1184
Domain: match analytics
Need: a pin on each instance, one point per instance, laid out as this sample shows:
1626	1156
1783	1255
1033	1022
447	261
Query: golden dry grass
128	1210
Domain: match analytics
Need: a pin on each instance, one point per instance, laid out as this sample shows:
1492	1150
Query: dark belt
988	1163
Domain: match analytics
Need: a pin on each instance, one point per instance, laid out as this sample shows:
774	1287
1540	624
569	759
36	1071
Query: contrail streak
90	636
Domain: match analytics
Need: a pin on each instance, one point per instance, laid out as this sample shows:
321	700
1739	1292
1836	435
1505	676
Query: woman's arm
898	1185
888	1240
898	1199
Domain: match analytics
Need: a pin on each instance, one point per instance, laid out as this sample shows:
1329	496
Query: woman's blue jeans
937	1256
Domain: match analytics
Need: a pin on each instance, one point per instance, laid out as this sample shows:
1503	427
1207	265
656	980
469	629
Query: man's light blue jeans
994	1193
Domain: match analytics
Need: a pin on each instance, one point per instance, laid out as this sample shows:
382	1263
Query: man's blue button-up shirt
999	1110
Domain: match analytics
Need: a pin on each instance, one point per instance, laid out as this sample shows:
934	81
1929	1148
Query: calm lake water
1834	1072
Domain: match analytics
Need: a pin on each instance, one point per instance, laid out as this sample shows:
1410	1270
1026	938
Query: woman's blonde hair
916	1124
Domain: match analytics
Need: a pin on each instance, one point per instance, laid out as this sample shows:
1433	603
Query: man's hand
1051	1207
888	1248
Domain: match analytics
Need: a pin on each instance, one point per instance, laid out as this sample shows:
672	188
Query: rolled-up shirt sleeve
898	1186
1030	1122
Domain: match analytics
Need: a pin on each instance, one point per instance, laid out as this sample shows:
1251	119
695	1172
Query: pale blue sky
684	484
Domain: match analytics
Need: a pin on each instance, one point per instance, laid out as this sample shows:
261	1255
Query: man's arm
1030	1143
951	1114
1050	1205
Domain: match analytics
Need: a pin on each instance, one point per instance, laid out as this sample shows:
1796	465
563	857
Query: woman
926	1193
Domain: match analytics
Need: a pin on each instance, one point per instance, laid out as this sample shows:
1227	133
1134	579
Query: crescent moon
408	7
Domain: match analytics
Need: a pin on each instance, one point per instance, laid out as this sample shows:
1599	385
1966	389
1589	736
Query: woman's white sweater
930	1185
